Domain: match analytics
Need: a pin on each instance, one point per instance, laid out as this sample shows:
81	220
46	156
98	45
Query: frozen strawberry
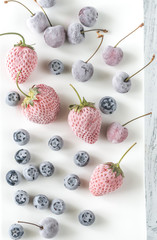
41	105
85	120
107	177
21	57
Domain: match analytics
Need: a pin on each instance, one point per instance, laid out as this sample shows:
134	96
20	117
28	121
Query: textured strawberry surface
116	133
85	124
47	106
21	58
104	180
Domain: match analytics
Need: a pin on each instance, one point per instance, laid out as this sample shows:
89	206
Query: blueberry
21	136
41	202
107	105
57	206
86	217
56	67
71	181
30	173
82	71
46	3
13	177
81	158
55	143
22	156
88	16
13	98
16	231
75	33
46	169
21	198
38	22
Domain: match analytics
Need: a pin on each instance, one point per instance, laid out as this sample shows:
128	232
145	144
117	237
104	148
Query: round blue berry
13	177
56	67
21	198
30	173
41	202
16	231
71	182
107	105
86	218
81	158
57	206
21	136
13	98
46	169
55	143
22	156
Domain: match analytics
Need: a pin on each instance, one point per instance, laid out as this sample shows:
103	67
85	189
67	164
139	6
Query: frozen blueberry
56	67
30	173
46	169
107	105
88	16
82	71
75	33
57	206
81	158
38	22
46	3
86	218
21	136
71	181
21	197
16	231
13	98
55	36
22	156
55	143
13	177
41	201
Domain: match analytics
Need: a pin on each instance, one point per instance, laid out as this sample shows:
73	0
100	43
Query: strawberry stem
21	4
41	227
137	118
18	84
44	12
14	33
125	154
140	69
76	93
141	25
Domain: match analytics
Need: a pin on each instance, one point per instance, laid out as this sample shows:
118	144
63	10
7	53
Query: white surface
120	215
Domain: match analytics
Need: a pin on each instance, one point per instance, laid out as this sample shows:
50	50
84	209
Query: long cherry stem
76	92
102	38
125	154
99	29
141	25
41	227
140	69
44	12
137	118
18	84
14	33
21	4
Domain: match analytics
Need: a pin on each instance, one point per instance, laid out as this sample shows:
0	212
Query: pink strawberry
85	120
21	57
107	177
41	105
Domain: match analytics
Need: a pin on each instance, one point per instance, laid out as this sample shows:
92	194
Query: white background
119	215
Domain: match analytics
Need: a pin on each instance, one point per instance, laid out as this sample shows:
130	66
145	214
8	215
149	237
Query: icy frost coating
88	16
119	83
116	133
54	36
38	22
50	227
75	34
82	71
46	3
112	55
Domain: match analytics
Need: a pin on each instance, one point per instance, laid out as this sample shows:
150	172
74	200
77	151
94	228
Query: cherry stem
76	93
141	25
140	69
18	84
125	154
99	29
14	33
102	38
137	118
41	227
21	4
43	12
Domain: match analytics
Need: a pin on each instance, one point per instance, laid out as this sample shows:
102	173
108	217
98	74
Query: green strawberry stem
118	164
21	4
41	227
83	103
18	84
44	12
137	118
102	38
140	69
